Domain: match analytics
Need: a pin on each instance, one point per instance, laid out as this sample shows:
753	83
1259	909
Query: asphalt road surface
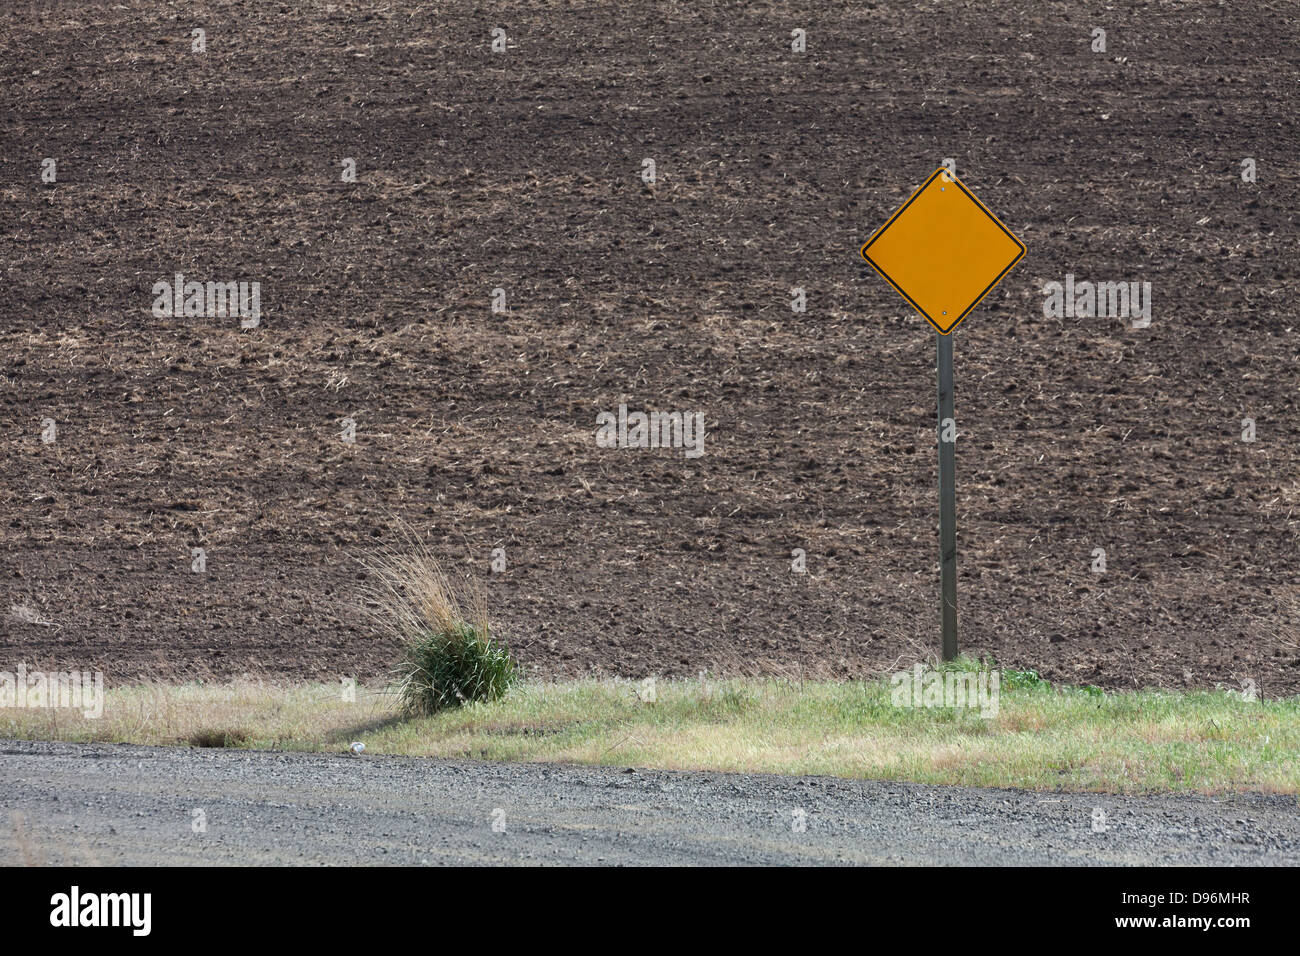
100	804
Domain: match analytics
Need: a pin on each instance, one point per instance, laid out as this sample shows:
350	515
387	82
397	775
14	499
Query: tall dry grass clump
448	656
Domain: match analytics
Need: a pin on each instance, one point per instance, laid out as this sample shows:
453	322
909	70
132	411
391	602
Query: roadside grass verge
1041	738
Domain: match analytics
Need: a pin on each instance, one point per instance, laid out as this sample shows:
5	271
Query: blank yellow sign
943	251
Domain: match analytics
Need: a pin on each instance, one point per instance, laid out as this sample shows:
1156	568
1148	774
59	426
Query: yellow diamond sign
943	251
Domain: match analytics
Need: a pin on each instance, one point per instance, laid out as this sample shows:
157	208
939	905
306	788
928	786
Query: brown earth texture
522	171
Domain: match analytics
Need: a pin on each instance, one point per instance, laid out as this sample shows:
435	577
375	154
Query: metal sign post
944	251
947	499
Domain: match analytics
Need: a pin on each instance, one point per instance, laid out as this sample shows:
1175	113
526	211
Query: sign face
943	251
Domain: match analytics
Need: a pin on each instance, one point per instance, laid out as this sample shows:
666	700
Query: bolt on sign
944	252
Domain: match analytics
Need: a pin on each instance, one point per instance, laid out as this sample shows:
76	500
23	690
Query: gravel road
102	804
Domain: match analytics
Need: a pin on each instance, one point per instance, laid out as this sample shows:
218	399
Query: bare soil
523	171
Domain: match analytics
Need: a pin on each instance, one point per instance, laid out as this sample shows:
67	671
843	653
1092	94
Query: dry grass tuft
447	654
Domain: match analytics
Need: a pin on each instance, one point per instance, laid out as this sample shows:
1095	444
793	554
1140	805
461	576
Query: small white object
357	747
